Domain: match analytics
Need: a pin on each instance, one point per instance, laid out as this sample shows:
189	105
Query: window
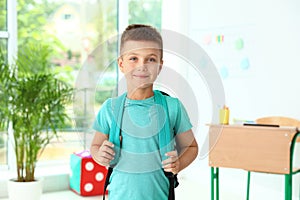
74	31
3	148
145	12
3	48
80	34
3	15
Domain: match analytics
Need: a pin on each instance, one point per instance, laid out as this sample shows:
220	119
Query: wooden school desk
252	148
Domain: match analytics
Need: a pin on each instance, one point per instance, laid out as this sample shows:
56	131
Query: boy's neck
140	94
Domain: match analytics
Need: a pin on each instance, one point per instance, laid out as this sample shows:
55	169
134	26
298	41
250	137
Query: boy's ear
120	64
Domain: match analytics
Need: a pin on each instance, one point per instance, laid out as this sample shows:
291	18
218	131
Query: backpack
166	141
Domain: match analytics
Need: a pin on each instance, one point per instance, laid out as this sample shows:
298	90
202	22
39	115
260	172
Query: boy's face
141	62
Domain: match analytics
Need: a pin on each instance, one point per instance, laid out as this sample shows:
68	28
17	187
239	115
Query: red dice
87	177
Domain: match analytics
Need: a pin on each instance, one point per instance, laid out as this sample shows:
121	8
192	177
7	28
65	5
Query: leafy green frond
34	102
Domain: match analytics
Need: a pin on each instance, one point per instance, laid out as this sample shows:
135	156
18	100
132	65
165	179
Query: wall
257	57
270	31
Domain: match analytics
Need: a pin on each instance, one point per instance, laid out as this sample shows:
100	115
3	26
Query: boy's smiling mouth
142	76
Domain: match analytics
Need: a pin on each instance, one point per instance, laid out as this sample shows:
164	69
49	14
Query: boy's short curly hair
141	32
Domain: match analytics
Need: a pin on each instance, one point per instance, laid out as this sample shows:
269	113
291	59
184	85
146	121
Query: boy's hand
172	163
105	153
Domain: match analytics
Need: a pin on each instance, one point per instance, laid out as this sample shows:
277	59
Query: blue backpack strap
166	141
117	106
165	138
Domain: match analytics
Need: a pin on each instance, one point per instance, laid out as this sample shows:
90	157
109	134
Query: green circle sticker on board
239	44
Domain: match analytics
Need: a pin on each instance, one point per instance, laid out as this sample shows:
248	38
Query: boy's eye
152	60
133	58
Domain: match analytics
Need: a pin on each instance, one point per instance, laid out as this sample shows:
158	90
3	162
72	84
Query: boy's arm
101	149
187	151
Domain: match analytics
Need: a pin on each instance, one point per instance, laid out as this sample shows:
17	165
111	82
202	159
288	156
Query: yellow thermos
224	115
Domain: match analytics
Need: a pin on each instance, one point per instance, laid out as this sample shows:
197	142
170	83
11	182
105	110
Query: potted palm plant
32	106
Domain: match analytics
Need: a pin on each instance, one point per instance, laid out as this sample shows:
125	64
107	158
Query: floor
186	190
195	185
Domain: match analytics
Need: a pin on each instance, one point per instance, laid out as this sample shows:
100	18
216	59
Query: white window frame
3	34
12	29
12	48
11	36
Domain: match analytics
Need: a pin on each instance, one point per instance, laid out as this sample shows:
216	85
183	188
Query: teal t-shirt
138	174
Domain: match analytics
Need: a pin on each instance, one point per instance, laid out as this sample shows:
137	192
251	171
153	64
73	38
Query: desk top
241	126
253	148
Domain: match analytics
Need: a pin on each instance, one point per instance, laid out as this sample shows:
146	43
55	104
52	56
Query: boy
139	123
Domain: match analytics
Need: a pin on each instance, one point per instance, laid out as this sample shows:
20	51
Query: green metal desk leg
212	183
214	179
248	185
288	187
217	183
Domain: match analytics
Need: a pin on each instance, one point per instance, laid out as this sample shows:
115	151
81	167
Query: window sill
55	176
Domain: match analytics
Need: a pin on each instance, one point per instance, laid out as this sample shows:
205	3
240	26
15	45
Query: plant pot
25	190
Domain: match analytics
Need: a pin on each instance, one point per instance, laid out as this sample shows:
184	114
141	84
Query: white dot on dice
99	176
89	166
88	187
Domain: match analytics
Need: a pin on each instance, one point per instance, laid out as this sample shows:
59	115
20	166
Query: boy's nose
142	65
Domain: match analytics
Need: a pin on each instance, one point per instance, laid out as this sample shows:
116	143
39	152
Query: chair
277	120
281	121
